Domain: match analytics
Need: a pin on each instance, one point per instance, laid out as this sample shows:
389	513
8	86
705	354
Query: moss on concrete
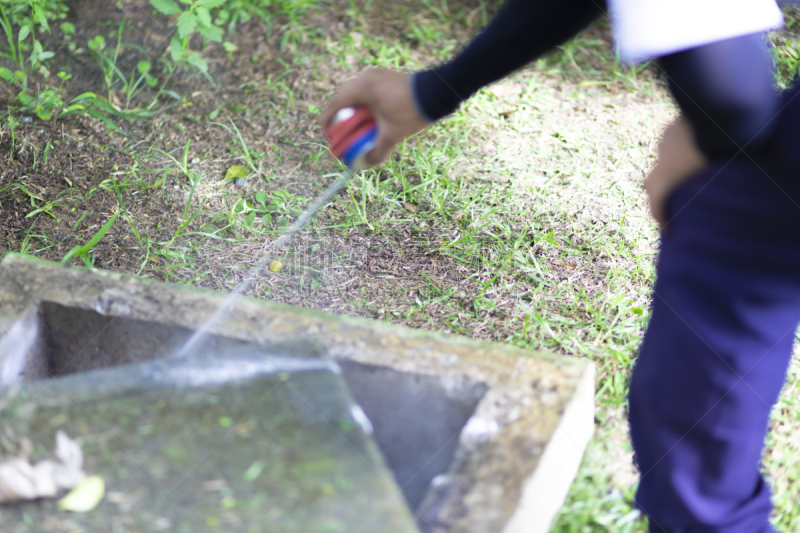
279	453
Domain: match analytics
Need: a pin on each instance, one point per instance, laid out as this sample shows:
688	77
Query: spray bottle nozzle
351	134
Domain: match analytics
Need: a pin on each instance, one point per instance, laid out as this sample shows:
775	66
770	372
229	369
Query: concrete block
480	437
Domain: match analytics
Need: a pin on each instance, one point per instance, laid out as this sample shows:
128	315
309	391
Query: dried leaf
501	90
19	480
85	496
593	83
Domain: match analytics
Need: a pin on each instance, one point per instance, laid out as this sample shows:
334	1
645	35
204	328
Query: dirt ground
67	167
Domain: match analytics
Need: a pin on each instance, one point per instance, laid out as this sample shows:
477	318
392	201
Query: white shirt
644	29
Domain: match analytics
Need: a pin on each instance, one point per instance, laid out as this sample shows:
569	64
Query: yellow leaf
275	266
85	496
236	171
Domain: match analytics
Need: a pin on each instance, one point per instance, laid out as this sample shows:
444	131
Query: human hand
389	98
679	159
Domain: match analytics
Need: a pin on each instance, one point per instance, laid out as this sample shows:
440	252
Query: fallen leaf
213	485
357	38
502	90
19	480
254	470
242	428
411	207
85	496
275	266
236	172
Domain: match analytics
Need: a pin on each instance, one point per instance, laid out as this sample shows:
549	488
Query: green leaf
210	4
251	218
197	62
187	22
43	113
229	46
175	49
84	96
223	15
108	122
261	197
26	191
97	43
68	28
212	33
203	17
23	33
167	7
74	109
40	16
144	67
105	106
235	172
254	470
6	74
85	496
80	250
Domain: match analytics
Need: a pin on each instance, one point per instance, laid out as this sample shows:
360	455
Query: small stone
240	182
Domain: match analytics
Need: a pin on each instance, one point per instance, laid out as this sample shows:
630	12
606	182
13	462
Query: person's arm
728	103
522	31
403	105
725	90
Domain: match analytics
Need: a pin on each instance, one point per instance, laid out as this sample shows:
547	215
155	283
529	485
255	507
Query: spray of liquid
254	272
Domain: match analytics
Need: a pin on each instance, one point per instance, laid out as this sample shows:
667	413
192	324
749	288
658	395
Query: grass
519	219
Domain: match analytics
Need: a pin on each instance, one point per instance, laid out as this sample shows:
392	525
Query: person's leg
725	309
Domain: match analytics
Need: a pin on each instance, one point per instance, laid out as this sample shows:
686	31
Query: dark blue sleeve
724	88
522	31
726	91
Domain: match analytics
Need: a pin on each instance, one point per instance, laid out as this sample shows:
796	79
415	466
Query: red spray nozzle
351	134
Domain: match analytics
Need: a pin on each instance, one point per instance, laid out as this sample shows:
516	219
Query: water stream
247	282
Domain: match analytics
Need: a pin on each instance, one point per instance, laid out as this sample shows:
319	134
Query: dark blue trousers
715	354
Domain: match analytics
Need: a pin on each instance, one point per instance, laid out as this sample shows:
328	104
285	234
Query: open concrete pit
282	419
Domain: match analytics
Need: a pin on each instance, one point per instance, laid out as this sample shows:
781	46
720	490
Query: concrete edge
8	261
482	463
546	490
